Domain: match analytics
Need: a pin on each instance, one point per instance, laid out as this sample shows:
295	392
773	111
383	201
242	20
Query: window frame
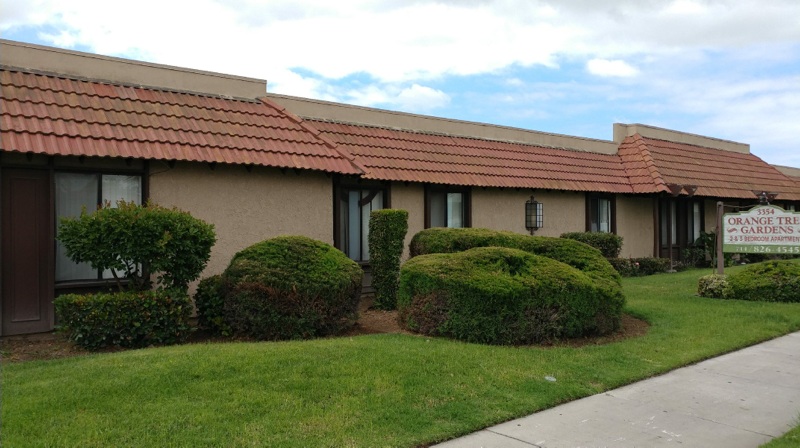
590	197
466	197
344	184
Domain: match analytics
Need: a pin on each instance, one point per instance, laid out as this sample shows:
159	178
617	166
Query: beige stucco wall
246	207
710	211
635	226
504	209
410	198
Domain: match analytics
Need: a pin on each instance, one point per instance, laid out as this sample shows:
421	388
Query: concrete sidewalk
741	399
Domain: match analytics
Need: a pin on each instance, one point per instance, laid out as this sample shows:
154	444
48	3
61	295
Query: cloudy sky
724	68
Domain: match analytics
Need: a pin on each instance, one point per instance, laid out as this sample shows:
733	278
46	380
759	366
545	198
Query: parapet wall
125	71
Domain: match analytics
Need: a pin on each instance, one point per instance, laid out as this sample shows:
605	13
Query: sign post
720	256
765	229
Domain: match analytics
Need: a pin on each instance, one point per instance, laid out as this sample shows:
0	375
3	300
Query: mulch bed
371	321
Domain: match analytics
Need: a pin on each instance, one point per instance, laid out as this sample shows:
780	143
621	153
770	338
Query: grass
379	390
789	440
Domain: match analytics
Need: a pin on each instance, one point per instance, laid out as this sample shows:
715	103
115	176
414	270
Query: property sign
764	229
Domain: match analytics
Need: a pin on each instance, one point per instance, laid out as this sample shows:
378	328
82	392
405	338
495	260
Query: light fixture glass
534	215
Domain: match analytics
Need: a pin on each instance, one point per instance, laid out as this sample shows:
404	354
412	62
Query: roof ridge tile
346	154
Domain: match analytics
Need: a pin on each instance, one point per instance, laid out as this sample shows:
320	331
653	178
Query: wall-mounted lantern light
534	215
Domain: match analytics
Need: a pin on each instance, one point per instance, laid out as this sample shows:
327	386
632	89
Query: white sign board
764	229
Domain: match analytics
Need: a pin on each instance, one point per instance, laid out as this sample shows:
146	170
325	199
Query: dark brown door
27	248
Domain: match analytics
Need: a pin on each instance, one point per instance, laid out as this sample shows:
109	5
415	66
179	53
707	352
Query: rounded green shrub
771	281
574	253
209	303
713	286
139	243
499	295
290	287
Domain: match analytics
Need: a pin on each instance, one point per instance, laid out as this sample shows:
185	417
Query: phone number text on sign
766	249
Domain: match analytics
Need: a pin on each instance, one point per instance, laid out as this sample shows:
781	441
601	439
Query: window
680	223
447	207
353	209
694	221
670	228
78	191
600	214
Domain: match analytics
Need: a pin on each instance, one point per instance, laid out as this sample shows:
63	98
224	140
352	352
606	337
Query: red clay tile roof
402	155
48	114
655	165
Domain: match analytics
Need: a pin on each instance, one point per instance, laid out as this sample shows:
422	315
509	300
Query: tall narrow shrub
387	233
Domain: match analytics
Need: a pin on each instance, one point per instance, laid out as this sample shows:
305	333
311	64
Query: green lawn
789	440
382	390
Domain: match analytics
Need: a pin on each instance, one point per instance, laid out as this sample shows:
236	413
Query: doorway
27	252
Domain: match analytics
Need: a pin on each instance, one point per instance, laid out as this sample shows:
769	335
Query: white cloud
422	98
762	112
415	98
685	7
604	67
31	12
402	41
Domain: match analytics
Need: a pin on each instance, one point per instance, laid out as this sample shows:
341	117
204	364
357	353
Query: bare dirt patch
371	321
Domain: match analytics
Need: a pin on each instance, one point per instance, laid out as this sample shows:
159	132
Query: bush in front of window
130	319
498	295
770	281
608	244
134	241
387	233
290	287
210	306
636	267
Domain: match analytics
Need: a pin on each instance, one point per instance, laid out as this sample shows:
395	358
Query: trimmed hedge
210	306
636	267
501	295
609	244
127	319
387	233
290	287
770	281
574	253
